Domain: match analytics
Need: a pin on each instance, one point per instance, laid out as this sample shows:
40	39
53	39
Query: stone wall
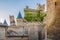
16	38
32	27
2	33
52	18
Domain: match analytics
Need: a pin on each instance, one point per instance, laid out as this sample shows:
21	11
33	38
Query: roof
19	15
5	23
2	25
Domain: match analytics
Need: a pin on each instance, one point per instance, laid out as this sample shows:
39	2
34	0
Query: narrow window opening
55	3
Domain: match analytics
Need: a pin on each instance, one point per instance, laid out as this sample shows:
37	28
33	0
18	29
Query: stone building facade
23	30
27	30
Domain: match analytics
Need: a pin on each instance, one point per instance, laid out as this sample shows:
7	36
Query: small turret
12	21
27	7
19	19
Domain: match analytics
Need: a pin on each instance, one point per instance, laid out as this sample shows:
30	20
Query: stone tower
40	7
50	11
53	17
19	19
12	21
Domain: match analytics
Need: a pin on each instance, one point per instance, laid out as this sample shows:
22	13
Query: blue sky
12	7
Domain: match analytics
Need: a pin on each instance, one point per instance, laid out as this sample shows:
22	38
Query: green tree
40	16
31	17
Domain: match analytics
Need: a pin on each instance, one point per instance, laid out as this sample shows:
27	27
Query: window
55	3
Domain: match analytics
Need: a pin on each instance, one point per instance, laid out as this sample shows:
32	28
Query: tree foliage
38	17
